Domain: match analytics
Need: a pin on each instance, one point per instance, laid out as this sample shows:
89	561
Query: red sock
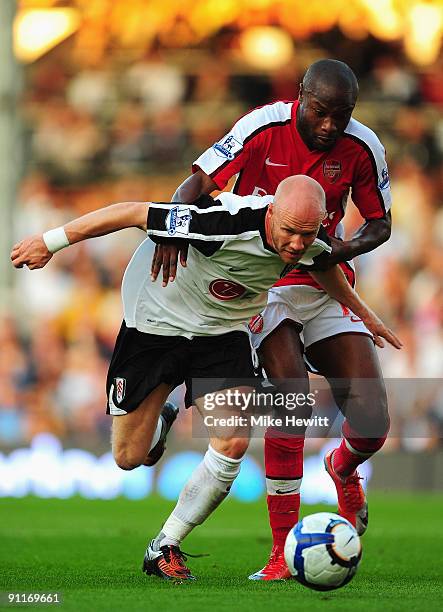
354	450
284	471
283	515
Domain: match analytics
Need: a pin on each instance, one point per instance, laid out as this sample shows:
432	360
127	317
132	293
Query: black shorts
142	361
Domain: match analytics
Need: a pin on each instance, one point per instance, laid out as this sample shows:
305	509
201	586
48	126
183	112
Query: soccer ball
323	551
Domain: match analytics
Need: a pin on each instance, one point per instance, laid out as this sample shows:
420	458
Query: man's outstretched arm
334	282
166	254
35	251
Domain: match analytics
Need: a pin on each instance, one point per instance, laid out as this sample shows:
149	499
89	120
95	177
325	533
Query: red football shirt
264	147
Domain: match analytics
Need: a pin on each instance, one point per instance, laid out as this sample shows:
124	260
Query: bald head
302	197
332	77
295	216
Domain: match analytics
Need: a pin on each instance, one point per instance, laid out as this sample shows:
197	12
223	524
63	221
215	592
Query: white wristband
56	239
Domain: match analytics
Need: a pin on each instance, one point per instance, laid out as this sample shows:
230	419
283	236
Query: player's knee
128	459
223	468
234	448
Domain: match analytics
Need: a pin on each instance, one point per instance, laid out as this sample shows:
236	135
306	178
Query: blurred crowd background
125	122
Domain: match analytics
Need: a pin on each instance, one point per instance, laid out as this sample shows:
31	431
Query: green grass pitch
91	552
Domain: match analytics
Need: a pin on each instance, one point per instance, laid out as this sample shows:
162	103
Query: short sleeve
371	189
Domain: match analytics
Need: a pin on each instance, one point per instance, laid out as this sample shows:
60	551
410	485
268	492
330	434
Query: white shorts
319	315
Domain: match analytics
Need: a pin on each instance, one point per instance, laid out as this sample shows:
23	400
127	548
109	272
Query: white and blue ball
323	551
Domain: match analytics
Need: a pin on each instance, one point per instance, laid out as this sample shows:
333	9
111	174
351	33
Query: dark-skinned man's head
327	99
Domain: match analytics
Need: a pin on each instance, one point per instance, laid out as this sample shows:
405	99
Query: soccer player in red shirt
316	136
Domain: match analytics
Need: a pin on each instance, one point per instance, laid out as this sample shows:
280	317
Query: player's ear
300	93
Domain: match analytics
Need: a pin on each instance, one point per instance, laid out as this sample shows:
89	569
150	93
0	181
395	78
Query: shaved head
295	216
326	102
328	76
303	197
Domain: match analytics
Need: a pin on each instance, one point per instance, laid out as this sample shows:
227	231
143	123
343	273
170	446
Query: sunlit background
104	101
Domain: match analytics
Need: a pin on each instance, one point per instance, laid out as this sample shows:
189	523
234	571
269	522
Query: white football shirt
229	271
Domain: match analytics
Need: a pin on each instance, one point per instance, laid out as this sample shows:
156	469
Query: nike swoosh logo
278	492
269	163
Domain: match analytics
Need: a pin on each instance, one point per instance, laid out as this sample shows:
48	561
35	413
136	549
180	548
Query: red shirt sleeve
233	152
220	168
370	189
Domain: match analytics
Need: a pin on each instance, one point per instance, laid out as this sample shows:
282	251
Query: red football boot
275	569
352	503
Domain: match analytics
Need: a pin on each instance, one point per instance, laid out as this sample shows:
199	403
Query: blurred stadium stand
105	119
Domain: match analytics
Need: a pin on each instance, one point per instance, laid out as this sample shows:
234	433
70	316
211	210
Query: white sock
207	487
157	433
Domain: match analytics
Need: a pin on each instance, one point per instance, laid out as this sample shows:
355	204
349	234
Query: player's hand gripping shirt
230	267
264	147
